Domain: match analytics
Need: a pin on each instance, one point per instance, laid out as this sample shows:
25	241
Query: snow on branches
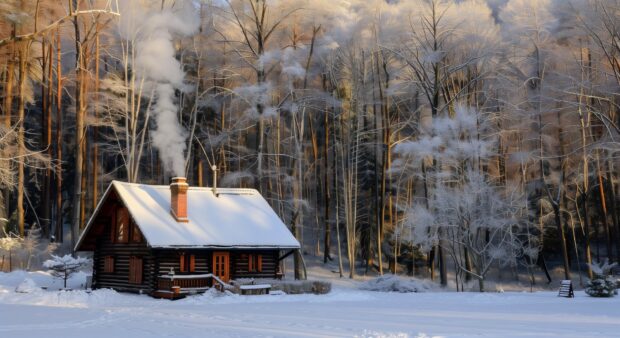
476	220
26	252
65	266
601	285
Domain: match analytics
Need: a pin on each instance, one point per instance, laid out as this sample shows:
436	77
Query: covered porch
225	272
173	286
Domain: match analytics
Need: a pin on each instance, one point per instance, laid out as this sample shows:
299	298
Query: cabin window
255	263
108	264
187	263
122	225
135	270
136	235
112	225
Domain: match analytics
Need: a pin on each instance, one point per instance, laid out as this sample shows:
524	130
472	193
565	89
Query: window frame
122	218
136	270
255	263
135	235
187	263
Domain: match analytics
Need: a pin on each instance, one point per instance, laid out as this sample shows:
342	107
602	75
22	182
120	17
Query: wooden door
221	265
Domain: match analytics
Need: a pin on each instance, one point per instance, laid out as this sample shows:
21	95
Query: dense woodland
422	136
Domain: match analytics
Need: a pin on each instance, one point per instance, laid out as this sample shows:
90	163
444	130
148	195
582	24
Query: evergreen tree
601	285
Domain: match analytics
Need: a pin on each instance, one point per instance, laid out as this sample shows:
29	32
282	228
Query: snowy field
346	312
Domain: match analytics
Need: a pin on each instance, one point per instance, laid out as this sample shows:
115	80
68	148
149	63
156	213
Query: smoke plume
152	31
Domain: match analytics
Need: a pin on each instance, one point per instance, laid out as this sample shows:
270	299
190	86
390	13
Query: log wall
167	259
121	252
239	264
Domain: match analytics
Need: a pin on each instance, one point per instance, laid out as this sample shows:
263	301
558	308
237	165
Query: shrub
601	285
65	266
302	286
392	283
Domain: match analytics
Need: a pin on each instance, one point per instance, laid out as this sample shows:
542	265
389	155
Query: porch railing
190	283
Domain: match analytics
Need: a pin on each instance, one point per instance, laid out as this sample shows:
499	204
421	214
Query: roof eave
278	247
93	216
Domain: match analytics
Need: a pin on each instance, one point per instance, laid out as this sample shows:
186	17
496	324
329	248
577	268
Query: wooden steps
566	289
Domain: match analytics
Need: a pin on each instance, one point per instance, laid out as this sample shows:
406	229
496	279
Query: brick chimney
178	198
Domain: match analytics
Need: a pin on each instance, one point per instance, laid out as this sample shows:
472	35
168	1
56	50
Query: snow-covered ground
346	312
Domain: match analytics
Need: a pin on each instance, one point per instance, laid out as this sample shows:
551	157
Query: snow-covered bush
65	266
601	285
27	286
295	287
392	283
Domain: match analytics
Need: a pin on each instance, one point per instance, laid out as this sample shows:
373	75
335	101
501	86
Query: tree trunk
560	198
603	205
83	183
562	237
95	129
327	239
59	231
79	131
200	174
335	159
46	135
260	138
297	219
21	146
443	269
8	110
468	265
585	193
586	222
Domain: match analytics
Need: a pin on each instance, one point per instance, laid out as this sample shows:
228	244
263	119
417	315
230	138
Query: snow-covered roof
239	218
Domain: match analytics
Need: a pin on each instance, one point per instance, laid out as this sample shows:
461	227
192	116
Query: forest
445	139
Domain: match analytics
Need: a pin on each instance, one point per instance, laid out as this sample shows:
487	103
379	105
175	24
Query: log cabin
171	240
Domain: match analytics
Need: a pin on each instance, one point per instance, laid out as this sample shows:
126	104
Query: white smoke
151	29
